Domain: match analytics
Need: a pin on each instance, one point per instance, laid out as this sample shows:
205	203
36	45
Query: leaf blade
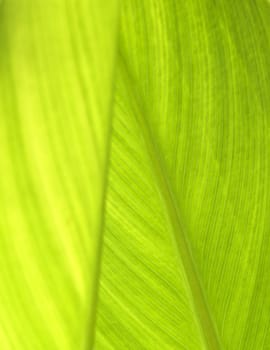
202	71
55	130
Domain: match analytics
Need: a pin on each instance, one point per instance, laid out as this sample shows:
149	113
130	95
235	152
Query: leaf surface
186	259
56	66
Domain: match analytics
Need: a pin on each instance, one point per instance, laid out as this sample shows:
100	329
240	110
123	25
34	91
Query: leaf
186	258
56	67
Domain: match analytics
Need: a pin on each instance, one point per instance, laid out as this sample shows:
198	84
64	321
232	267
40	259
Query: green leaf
56	66
187	257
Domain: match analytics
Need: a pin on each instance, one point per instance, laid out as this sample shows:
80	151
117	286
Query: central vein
180	239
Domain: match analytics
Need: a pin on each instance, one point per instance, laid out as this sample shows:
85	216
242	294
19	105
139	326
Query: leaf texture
56	63
186	257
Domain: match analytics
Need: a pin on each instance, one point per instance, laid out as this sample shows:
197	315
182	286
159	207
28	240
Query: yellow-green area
140	131
57	60
187	243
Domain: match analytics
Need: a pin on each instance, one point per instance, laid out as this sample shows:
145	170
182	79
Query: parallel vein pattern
179	234
201	72
56	68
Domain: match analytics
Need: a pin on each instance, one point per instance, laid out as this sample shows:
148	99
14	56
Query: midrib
180	239
183	251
